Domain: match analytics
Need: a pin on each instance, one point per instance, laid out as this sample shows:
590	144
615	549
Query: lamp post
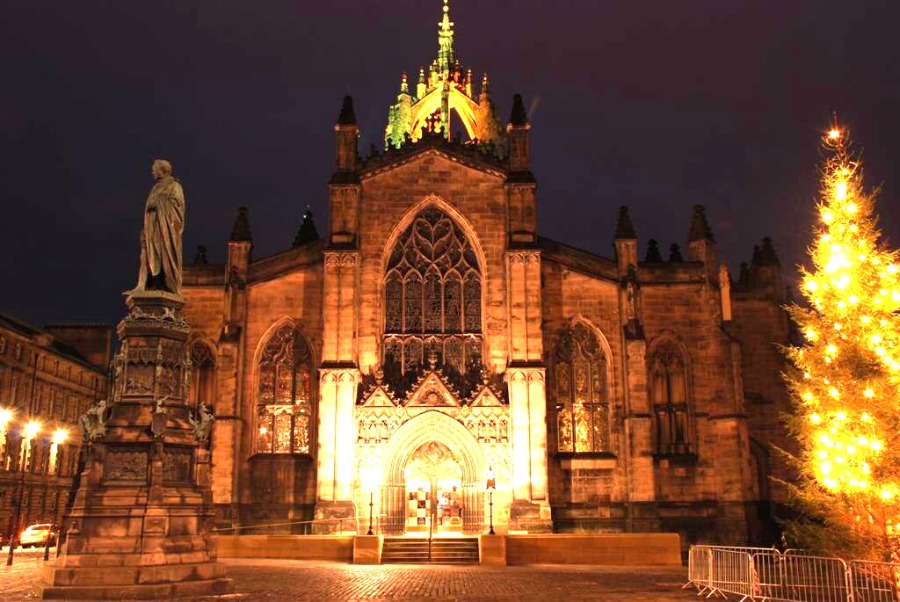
28	432
371	511
369	484
490	486
59	437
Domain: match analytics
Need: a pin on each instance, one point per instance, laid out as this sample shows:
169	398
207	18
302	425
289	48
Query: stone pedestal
142	518
367	549
530	517
492	550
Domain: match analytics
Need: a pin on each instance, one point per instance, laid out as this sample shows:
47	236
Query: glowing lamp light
263	430
32	428
834	134
5	417
60	436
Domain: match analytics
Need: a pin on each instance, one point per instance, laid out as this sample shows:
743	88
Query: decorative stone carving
125	465
161	238
203	423
93	422
177	465
155	318
159	419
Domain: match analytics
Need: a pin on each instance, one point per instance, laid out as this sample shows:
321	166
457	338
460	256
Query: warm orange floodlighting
32	428
263	430
60	436
5	417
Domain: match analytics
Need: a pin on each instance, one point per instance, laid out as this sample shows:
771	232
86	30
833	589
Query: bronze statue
161	238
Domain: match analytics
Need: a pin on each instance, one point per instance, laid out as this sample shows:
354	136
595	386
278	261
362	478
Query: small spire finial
307	231
700	229
624	227
518	116
347	115
240	232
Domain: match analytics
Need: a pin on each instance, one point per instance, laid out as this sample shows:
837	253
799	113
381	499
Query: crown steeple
445	60
444	91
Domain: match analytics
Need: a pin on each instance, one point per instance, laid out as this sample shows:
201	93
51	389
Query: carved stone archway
401	448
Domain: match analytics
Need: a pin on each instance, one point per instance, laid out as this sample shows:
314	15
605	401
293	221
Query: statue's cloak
161	250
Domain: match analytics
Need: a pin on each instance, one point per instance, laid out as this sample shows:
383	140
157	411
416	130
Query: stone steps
463	550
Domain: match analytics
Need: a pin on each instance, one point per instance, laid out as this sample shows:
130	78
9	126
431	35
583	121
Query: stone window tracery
432	297
284	395
582	393
668	394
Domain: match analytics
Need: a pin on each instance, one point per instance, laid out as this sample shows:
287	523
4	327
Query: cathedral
434	356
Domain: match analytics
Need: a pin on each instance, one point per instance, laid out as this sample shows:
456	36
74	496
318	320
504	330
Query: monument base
160	582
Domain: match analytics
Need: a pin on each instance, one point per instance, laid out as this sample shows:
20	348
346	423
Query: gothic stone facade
432	344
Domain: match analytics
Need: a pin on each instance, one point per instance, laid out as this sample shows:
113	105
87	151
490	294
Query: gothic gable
432	392
378	398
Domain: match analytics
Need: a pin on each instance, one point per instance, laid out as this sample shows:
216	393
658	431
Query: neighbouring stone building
433	344
49	378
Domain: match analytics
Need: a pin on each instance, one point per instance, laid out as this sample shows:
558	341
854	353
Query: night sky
656	105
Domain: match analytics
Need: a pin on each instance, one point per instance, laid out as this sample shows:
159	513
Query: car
38	535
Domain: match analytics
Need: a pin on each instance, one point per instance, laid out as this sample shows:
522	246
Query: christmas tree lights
847	386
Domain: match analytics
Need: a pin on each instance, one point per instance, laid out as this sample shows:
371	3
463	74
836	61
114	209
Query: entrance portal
433	491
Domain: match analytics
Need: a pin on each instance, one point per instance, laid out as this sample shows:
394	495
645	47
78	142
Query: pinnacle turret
518	116
240	231
624	228
307	231
700	229
347	115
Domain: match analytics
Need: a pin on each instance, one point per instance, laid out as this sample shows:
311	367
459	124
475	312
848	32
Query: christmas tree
847	379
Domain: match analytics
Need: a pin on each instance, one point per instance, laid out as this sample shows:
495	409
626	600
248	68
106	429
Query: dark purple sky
657	105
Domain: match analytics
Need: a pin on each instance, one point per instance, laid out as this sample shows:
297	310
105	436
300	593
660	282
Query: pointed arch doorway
434	453
433	491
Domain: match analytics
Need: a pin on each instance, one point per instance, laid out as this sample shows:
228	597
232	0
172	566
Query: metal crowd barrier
767	575
875	581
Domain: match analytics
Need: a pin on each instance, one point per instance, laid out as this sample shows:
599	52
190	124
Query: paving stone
275	580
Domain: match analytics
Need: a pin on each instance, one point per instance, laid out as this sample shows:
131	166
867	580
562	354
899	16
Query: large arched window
432	293
203	377
582	392
669	394
284	395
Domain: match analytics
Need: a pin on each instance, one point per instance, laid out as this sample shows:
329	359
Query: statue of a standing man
161	237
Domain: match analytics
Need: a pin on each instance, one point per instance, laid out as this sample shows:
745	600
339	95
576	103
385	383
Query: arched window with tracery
284	394
669	396
432	292
203	377
582	392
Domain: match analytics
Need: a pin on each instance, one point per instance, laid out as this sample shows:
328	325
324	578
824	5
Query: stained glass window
582	394
284	395
432	291
668	394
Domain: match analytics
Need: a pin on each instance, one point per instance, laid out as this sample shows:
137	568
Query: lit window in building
284	395
582	394
432	296
668	394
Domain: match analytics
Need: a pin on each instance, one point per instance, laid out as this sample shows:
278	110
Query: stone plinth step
443	551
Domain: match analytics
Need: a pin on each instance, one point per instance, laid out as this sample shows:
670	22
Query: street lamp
59	437
370	484
28	432
490	486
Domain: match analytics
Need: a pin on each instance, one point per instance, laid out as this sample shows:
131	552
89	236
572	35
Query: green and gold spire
444	89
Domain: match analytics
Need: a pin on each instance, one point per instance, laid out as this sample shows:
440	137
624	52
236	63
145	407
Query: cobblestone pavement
276	580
